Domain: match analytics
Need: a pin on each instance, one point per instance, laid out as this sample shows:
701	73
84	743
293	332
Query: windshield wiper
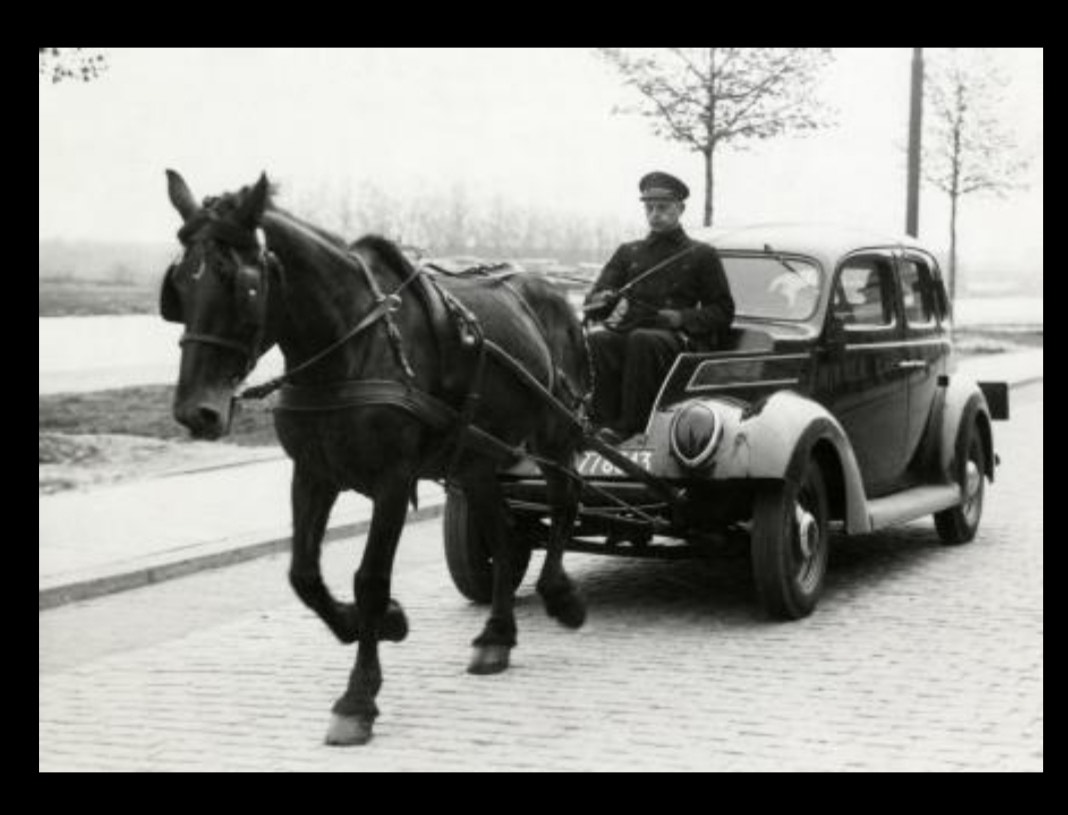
768	250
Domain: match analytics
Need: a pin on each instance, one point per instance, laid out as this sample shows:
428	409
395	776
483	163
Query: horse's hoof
571	613
567	607
489	659
394	626
349	731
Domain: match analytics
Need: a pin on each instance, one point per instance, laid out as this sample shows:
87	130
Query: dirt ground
82	461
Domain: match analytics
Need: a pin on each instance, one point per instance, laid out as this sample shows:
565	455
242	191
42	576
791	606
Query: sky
534	126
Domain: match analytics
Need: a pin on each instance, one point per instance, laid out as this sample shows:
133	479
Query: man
684	303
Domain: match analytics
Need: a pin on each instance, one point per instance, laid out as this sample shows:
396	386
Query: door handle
914	365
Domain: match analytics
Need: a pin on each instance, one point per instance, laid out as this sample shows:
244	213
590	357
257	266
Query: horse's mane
388	251
218	213
323	239
334	240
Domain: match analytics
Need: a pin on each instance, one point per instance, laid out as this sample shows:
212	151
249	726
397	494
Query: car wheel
960	523
790	544
467	552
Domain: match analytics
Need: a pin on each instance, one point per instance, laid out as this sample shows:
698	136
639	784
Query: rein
385	306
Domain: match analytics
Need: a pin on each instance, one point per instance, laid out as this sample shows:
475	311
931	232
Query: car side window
917	293
863	296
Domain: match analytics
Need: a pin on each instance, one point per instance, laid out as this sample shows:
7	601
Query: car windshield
773	287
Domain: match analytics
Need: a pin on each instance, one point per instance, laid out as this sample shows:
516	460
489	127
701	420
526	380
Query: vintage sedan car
835	406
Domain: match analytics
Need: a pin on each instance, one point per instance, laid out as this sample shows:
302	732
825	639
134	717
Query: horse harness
251	282
429	409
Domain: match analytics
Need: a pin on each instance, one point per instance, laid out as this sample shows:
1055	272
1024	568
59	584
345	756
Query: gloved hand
600	304
668	318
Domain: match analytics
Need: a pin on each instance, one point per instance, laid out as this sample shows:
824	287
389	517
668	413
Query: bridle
251	283
251	290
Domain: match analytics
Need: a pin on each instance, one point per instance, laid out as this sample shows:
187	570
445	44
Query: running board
909	505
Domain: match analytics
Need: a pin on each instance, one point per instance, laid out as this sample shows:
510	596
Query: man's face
663	215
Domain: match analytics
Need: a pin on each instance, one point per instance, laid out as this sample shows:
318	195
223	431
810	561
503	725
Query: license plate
594	464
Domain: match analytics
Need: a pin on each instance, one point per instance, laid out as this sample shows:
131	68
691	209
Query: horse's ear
180	196
251	211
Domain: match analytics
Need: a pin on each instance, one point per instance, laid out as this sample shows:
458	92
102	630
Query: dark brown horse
378	386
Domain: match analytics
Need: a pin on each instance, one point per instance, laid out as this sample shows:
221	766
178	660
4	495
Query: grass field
67	298
142	411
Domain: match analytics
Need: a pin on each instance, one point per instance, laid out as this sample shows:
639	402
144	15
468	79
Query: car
835	406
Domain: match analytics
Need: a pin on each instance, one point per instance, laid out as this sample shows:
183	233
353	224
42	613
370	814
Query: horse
379	391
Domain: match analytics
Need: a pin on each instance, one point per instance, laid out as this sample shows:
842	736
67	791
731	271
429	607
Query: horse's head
218	290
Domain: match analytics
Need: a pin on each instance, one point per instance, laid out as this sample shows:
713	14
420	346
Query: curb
219	554
226	465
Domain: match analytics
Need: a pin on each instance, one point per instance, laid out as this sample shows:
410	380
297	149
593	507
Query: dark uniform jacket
694	285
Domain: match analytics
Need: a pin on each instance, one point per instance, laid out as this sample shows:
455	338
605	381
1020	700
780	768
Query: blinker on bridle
252	287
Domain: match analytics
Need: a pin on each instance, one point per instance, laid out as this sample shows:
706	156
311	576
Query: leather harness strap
385	305
360	392
390	393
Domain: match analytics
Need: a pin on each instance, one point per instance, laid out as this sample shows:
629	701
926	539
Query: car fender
772	438
963	403
787	431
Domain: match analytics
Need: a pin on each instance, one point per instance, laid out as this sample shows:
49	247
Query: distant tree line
458	223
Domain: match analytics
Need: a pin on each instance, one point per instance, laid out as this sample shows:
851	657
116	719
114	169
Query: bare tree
376	210
707	97
499	227
450	222
968	149
70	63
459	221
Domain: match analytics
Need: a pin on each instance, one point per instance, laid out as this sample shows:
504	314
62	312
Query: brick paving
920	657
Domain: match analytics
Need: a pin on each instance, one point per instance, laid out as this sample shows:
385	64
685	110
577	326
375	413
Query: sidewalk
127	535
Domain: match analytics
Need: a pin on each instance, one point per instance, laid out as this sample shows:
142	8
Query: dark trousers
628	372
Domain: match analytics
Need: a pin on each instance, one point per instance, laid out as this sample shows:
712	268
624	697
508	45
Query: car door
928	345
864	384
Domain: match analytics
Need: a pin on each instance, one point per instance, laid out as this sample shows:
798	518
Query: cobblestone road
920	657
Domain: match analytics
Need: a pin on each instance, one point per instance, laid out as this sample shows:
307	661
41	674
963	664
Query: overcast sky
533	125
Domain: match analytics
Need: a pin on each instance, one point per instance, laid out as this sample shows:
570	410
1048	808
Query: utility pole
912	203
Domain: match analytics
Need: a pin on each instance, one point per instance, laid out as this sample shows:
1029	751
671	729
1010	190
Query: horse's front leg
492	648
313	498
378	617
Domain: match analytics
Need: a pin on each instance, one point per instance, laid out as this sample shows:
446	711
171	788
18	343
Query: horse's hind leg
493	646
313	498
558	592
378	616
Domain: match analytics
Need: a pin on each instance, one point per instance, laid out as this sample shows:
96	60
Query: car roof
824	241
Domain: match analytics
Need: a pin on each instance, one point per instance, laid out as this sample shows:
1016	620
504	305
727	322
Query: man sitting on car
682	303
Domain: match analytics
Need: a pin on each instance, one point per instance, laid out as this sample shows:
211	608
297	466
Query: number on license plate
594	464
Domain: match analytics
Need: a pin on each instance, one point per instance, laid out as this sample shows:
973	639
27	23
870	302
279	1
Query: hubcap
808	552
973	492
807	531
